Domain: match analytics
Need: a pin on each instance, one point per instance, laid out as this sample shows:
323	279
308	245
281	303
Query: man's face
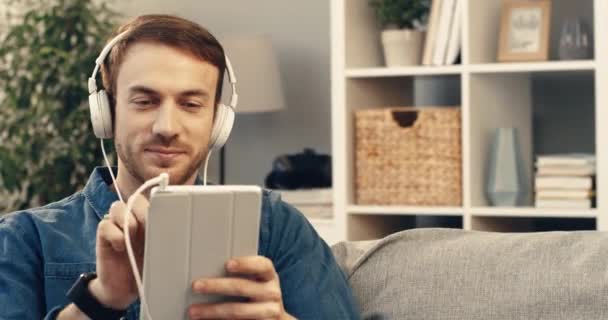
165	102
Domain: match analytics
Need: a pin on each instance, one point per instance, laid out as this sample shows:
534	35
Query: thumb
140	209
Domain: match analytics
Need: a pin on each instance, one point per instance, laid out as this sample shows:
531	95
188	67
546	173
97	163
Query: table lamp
258	84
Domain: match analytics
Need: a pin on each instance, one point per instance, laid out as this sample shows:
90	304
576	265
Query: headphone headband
92	84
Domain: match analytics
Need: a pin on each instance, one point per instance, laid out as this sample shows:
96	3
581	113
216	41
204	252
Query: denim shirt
44	250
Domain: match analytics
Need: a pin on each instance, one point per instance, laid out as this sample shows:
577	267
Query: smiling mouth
164	154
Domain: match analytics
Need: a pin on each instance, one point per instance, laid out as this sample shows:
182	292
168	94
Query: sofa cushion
456	274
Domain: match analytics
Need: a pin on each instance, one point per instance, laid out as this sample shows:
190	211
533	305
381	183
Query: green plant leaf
46	149
401	13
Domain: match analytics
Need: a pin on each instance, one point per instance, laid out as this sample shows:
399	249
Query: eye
191	104
143	103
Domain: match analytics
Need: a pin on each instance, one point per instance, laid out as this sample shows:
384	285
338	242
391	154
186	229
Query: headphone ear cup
222	126
106	114
101	117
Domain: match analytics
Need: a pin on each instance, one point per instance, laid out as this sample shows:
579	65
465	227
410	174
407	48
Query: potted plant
402	36
47	54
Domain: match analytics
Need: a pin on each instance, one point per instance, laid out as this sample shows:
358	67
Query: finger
237	287
117	213
110	235
140	209
258	310
258	266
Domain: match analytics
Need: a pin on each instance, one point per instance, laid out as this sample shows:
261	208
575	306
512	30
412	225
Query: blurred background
319	64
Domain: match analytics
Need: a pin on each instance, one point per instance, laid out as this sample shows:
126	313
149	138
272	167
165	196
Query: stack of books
565	181
313	203
443	39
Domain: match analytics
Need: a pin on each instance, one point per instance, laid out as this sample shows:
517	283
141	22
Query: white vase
402	47
506	182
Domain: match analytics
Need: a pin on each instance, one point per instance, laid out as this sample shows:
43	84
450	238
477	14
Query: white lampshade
257	72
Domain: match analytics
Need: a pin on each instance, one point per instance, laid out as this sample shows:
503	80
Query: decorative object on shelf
506	185
575	40
443	39
408	156
307	169
565	181
402	22
524	31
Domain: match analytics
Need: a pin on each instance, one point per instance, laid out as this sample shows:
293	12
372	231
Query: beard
132	156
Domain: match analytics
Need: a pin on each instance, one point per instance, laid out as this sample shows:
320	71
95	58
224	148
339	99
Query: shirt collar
99	192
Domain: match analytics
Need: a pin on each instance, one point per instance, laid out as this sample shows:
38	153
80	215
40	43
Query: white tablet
191	232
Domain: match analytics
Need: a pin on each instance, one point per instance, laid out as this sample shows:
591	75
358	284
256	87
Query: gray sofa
456	274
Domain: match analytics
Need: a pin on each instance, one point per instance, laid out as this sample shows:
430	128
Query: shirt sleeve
313	285
21	271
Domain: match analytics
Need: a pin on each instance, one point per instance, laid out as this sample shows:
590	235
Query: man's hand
115	284
261	287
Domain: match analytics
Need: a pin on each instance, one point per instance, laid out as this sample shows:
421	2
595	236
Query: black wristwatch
80	295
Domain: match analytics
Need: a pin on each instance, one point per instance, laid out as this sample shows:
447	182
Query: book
566	159
557	170
563	182
443	33
564	194
429	45
455	40
564	204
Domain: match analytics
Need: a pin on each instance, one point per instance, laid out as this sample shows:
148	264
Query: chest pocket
59	278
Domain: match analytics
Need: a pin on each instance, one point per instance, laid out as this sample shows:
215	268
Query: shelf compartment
381	92
482	27
496	101
553	114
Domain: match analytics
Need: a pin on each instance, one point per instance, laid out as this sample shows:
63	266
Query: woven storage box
408	156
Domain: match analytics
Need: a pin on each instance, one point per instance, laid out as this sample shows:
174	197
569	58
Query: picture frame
524	31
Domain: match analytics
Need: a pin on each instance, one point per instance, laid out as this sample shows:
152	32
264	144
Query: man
164	82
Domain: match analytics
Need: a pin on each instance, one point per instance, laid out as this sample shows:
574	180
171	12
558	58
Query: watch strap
80	295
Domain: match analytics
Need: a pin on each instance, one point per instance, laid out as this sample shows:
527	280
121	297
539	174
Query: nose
166	123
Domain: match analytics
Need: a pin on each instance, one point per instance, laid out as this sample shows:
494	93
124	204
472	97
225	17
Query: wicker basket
408	156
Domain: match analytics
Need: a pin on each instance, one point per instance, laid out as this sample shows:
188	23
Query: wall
300	32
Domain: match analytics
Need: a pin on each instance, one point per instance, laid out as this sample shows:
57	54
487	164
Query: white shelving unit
492	95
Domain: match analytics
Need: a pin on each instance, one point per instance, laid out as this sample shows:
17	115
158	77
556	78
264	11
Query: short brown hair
169	30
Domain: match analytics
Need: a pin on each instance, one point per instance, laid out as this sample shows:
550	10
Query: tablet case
191	232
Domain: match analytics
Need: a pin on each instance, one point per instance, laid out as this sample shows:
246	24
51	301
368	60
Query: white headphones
101	117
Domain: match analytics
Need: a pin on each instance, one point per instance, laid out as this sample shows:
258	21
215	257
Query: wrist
105	297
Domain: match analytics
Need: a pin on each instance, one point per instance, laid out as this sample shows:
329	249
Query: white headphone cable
206	166
105	157
162	180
